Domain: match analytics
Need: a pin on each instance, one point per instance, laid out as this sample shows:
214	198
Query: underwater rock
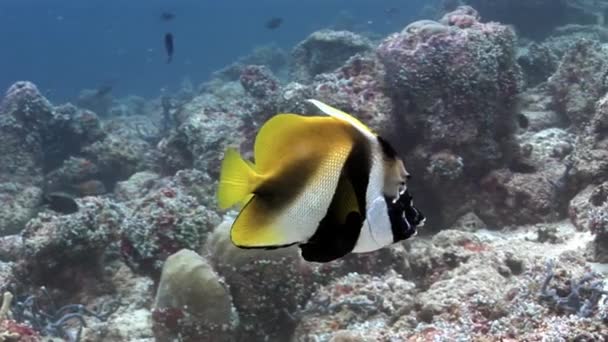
259	82
137	186
163	222
545	150
476	286
192	301
223	116
357	303
444	167
427	260
97	100
132	325
27	106
117	157
532	196
132	320
72	172
580	81
263	87
462	16
23	112
324	51
599	121
197	184
70	131
11	247
525	14
468	222
292	98
436	76
37	137
454	91
19	203
54	243
588	211
586	205
130	106
271	56
590	155
565	37
357	87
267	286
538	63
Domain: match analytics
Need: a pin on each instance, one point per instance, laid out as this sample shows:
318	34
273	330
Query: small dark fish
391	11
274	23
167	16
103	90
60	202
169	46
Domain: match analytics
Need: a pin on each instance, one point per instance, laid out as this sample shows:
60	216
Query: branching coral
583	296
65	322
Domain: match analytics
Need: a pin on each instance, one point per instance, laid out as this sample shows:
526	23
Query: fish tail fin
238	179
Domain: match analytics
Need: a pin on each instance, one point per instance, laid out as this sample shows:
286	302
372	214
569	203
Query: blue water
67	45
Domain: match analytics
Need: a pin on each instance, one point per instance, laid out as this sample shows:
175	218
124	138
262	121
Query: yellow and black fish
326	183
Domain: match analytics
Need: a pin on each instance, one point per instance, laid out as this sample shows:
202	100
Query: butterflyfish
327	184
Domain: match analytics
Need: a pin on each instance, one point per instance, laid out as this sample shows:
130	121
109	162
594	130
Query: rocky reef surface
507	140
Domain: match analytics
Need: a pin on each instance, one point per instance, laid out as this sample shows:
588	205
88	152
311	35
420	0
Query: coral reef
259	81
525	14
208	127
506	139
358	88
161	223
54	242
267	287
579	81
355	302
324	51
192	301
538	62
271	56
455	87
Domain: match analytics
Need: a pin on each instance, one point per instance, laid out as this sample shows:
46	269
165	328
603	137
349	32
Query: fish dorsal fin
289	136
338	114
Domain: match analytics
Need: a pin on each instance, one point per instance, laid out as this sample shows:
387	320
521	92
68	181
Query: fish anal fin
333	240
255	227
344	201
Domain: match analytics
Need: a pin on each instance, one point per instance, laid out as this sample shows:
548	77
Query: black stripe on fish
387	149
333	239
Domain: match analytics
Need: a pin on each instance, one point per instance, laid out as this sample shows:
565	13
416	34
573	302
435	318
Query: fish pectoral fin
344	201
238	179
